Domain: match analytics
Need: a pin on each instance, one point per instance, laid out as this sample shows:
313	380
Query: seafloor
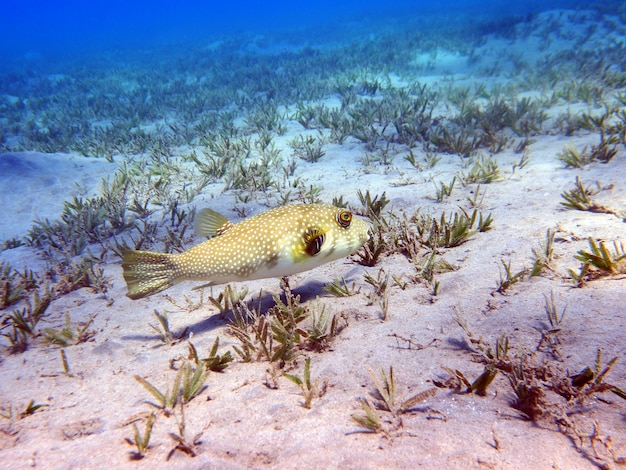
482	326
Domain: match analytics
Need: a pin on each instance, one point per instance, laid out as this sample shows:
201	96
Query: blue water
45	30
76	75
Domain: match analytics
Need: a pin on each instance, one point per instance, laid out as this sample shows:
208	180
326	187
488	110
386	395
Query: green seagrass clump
599	262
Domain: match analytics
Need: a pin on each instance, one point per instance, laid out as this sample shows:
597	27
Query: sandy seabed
249	416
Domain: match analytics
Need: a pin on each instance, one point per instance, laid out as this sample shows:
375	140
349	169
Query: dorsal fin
210	224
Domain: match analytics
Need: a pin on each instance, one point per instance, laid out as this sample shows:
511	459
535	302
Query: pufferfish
279	242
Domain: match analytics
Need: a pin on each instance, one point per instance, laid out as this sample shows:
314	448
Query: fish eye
344	218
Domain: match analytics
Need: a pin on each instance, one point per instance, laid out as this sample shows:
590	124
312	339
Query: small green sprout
579	198
309	389
444	190
193	380
573	158
165	401
385	383
166	335
141	442
65	362
340	288
599	262
215	362
554	317
372	250
323	327
31	408
183	443
371	420
544	255
67	335
508	279
228	298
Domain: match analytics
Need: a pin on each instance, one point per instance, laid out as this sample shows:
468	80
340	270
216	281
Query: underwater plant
183	443
284	331
68	335
308	148
484	171
141	441
579	198
341	288
163	329
214	362
310	389
444	190
15	285
508	278
599	262
22	323
388	402
544	255
449	232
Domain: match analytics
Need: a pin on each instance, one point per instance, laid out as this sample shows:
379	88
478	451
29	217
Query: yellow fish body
279	242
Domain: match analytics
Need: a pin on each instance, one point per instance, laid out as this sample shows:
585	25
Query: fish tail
147	273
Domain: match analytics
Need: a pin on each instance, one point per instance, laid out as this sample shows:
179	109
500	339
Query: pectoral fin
313	241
